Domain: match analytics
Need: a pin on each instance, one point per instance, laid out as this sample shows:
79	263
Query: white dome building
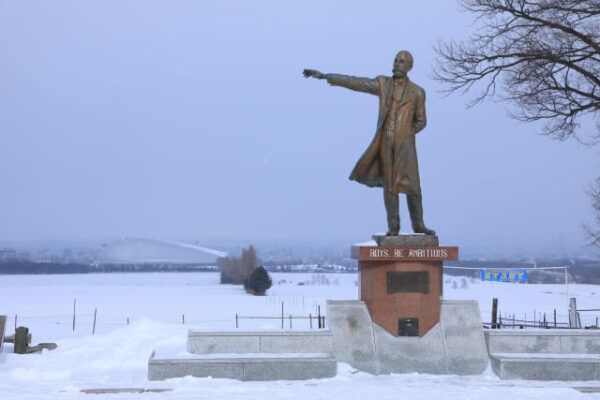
146	251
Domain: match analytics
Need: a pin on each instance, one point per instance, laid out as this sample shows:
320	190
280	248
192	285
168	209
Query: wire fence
88	322
82	322
320	319
516	323
540	320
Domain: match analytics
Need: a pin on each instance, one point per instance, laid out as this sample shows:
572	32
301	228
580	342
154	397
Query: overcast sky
190	120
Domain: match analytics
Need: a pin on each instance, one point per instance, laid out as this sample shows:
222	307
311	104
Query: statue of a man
390	161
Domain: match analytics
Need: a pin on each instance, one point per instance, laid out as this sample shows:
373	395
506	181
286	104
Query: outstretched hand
313	73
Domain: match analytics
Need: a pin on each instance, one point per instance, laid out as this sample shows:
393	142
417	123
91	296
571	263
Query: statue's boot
415	208
393	214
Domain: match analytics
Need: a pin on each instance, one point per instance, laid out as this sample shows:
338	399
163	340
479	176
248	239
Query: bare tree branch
594	234
544	55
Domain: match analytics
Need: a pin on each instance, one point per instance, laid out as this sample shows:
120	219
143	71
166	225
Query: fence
86	323
319	318
500	321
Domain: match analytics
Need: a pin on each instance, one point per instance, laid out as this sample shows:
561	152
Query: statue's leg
390	198
415	208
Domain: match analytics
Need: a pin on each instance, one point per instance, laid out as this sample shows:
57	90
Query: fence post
236	321
74	301
319	316
282	315
182	319
494	312
572	311
94	327
310	321
555	317
21	340
290	321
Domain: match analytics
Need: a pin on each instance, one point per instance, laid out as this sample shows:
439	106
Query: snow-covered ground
155	304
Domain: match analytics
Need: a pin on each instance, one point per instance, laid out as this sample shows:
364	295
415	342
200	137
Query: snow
529	356
117	355
194	247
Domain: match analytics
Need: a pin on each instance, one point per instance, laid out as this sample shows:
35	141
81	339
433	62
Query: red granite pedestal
402	285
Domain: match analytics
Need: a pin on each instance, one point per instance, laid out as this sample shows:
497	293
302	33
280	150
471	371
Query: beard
398	74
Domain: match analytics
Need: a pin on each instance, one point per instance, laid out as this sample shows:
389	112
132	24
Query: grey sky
191	120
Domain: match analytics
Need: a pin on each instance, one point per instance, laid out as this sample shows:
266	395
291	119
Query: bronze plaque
408	326
408	282
423	253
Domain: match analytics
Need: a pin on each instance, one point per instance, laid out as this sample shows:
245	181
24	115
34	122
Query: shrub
258	282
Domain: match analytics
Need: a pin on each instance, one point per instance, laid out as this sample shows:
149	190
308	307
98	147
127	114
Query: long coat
410	119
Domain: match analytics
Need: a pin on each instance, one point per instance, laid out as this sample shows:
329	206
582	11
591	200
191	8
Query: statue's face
402	64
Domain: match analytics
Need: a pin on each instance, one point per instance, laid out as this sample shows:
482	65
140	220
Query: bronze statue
390	161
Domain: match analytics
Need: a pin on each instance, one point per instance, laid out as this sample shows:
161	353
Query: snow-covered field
156	304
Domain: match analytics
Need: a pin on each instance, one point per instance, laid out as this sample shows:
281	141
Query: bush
258	282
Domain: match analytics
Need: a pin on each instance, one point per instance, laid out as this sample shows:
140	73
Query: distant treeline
580	271
15	267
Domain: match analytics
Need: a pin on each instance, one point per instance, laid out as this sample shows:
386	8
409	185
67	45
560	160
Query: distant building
150	251
8	254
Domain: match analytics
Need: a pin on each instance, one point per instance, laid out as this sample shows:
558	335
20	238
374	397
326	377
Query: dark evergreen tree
259	281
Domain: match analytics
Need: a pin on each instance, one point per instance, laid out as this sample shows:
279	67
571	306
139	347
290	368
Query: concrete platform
553	354
554	341
260	342
546	367
453	346
246	367
248	356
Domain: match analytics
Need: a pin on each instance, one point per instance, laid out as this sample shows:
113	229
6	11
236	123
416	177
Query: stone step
245	367
554	341
260	342
546	366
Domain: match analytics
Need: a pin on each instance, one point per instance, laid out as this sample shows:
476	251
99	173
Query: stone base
553	354
417	239
248	356
259	342
547	341
419	303
546	367
401	281
245	367
455	345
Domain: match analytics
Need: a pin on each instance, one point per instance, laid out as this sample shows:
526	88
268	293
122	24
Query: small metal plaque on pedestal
408	326
408	282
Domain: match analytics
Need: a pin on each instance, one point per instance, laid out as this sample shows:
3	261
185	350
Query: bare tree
592	234
249	261
544	54
237	270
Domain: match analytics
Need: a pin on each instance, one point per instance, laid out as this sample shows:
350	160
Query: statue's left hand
313	73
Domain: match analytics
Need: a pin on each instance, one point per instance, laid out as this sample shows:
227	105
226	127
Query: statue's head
402	64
